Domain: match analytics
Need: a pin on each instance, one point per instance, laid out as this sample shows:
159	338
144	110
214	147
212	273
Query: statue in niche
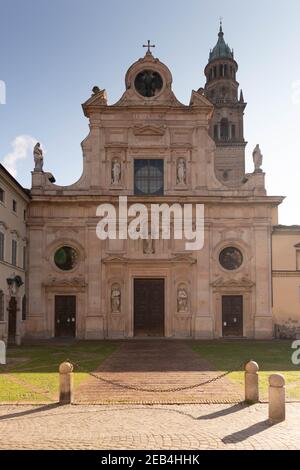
38	157
115	298
182	299
148	246
116	172
257	159
181	171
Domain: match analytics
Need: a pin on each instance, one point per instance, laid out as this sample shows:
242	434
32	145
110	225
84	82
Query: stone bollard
2	353
65	383
276	398
251	382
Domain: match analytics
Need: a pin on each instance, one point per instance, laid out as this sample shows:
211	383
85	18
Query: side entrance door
65	316
12	320
232	315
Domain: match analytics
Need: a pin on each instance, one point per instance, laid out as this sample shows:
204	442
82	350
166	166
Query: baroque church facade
151	148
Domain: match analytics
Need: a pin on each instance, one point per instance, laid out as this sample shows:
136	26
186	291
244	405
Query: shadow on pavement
216	414
31	411
246	433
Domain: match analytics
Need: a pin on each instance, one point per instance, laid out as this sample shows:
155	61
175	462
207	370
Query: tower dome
221	49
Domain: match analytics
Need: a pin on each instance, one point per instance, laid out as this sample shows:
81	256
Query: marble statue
257	159
149	246
181	171
115	298
38	157
182	299
116	172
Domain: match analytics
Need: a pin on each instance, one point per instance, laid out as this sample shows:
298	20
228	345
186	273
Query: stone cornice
149	259
279	273
187	198
240	282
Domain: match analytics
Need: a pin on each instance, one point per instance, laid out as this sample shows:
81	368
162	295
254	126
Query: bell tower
226	125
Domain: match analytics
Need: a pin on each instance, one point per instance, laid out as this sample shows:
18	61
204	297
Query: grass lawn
271	356
31	374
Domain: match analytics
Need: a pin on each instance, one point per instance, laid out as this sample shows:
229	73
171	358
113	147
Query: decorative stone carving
115	298
181	171
38	157
240	282
182	299
257	159
115	172
71	282
149	130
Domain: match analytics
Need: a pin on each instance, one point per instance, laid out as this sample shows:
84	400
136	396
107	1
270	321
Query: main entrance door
65	315
232	315
12	320
149	307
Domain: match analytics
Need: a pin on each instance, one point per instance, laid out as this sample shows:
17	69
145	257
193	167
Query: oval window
66	258
231	258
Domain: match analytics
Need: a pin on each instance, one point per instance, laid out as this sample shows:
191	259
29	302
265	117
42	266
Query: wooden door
149	307
12	320
232	315
65	315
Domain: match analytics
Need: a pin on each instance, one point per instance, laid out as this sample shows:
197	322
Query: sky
52	52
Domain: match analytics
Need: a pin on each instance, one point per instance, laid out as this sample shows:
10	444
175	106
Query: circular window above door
231	258
66	258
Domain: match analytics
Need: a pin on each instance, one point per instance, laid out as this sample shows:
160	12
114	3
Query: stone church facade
153	149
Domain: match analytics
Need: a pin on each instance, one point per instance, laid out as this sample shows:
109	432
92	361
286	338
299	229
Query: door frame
248	310
151	275
242	314
149	278
69	294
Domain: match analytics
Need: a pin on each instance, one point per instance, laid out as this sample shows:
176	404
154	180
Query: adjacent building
14	200
286	280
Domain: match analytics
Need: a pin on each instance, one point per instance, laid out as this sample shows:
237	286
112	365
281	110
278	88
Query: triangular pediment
199	100
98	98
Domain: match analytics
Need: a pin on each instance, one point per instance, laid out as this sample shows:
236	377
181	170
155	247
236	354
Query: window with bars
1	195
24	257
24	308
1	246
1	305
14	252
148	177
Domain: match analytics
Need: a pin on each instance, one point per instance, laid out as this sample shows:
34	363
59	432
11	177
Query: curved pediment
148	83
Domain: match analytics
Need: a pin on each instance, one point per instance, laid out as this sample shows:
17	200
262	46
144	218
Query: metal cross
148	45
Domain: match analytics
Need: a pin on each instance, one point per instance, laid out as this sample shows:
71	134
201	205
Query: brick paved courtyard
146	427
157	364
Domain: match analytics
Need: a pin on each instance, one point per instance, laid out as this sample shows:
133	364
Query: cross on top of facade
148	45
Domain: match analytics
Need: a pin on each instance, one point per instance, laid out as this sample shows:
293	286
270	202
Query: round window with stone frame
148	83
66	258
231	258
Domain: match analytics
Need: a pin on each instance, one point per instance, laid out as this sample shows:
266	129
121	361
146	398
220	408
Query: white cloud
22	147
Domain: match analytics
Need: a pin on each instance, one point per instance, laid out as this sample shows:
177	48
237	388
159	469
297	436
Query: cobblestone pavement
147	427
157	364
